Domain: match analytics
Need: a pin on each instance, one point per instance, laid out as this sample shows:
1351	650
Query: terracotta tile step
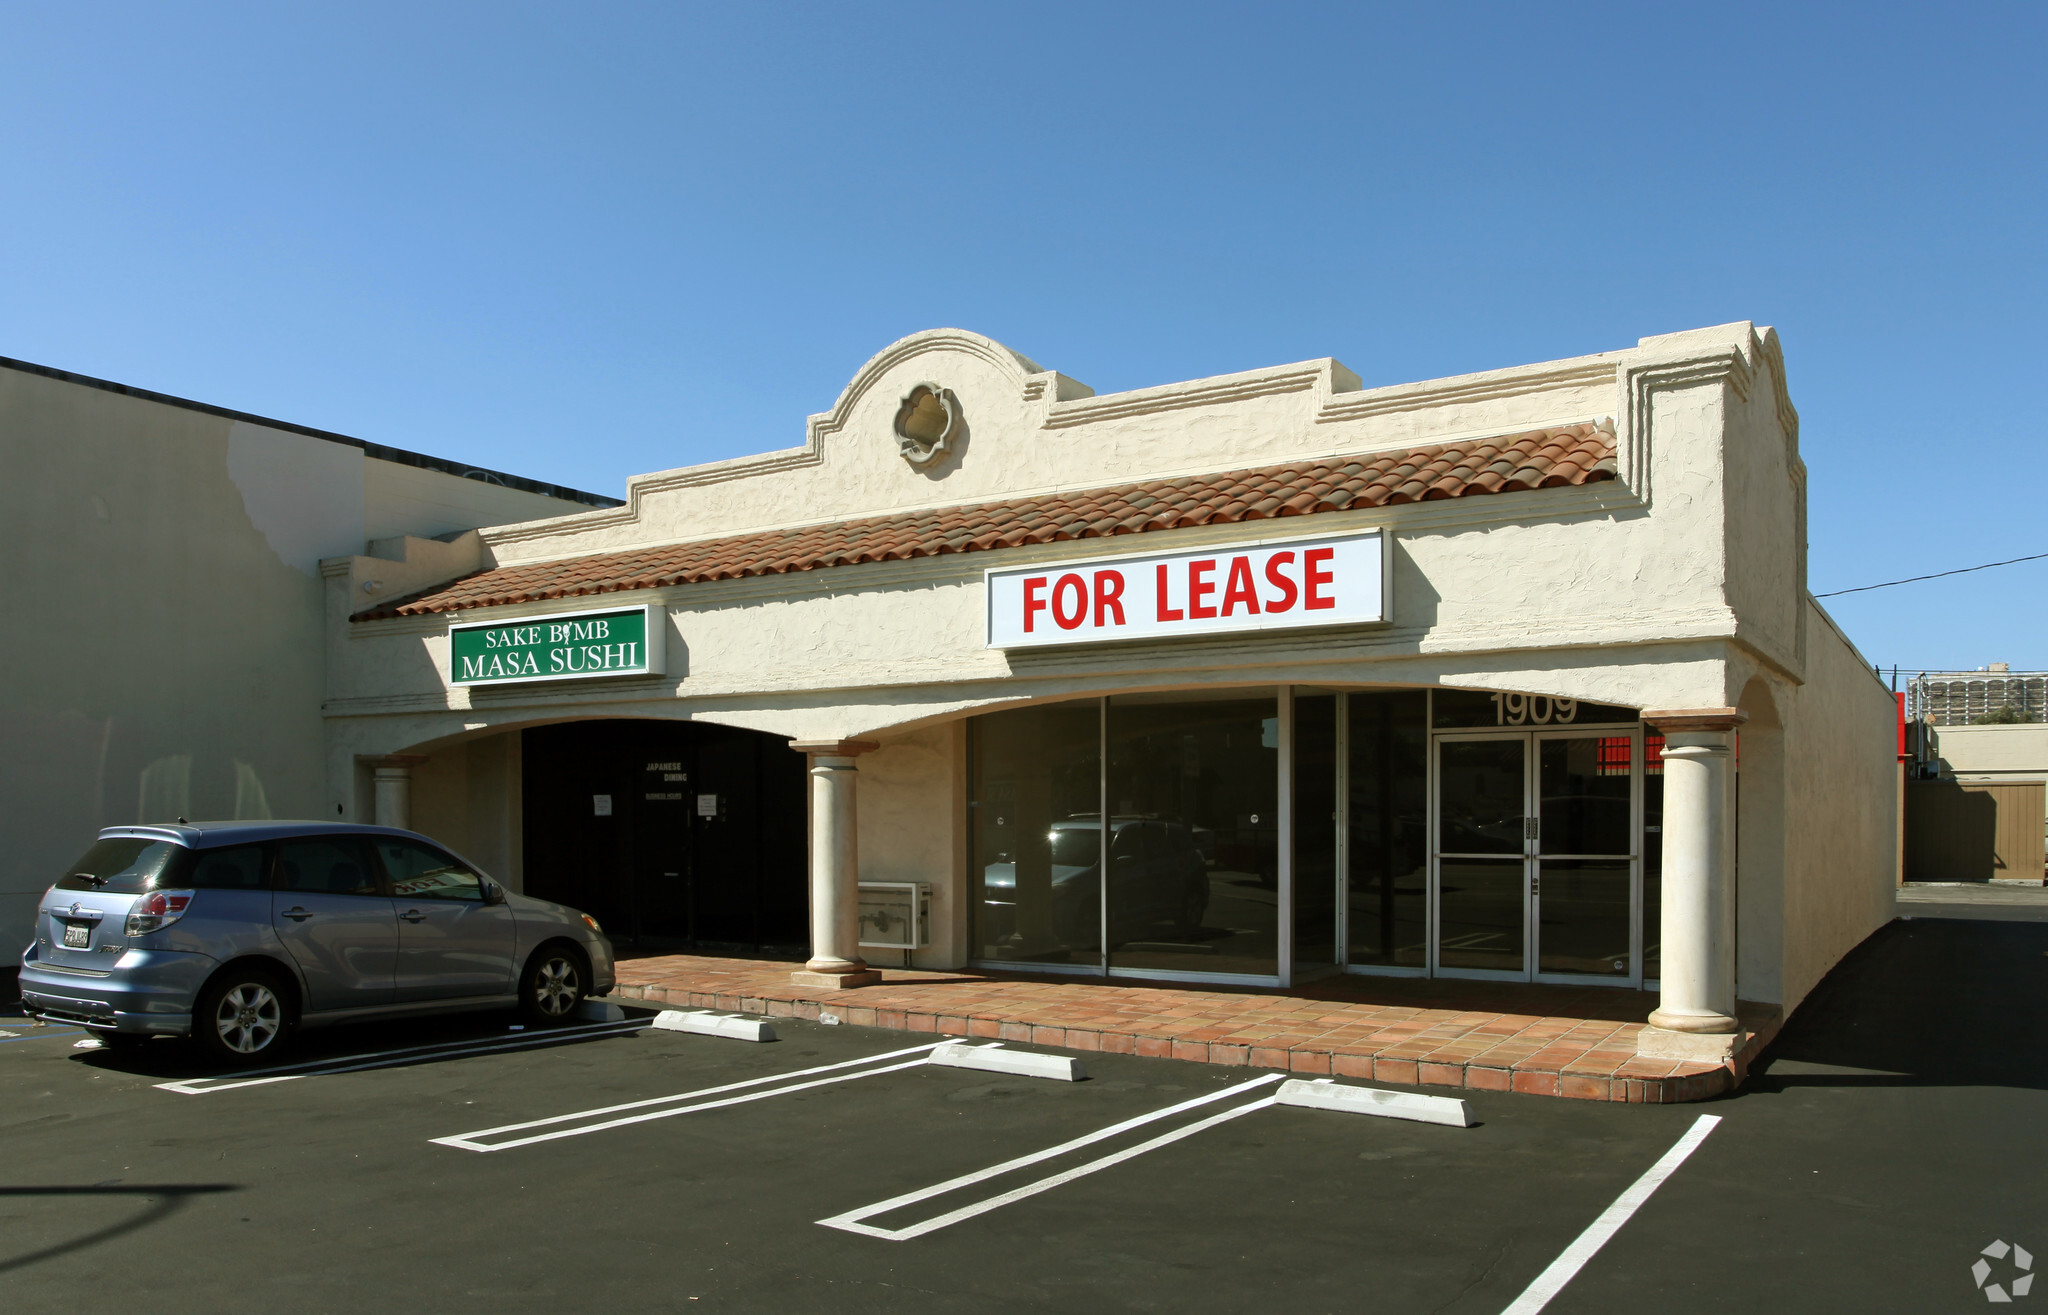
1471	1048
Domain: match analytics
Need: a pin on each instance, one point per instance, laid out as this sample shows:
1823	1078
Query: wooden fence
1990	832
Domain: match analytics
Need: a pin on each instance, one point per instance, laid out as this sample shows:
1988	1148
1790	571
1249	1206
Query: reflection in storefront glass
1585	804
1481	910
1653	856
1584	910
1389	837
1038	835
1315	831
1194	852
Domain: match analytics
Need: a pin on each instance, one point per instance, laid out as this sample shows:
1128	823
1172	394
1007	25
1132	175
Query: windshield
121	865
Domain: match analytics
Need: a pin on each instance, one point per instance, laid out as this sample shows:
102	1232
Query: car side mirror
493	893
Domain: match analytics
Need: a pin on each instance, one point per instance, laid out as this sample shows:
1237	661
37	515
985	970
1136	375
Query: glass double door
1535	856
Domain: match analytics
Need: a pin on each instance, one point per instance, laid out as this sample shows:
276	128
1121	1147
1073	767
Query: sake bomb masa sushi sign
565	646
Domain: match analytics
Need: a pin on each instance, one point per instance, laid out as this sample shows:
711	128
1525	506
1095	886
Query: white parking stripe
6	1037
851	1220
471	1141
1563	1269
316	1068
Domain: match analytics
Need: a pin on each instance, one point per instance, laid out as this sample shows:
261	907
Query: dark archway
673	834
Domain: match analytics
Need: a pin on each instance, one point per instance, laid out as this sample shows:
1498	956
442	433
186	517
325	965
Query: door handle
413	915
298	914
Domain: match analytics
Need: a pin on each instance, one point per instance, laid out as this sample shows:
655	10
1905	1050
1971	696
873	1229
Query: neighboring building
162	656
1978	810
1995	695
1436	679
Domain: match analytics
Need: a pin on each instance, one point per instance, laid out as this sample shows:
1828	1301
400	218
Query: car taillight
157	910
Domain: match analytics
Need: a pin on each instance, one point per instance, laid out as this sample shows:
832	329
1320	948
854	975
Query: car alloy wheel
557	987
248	1018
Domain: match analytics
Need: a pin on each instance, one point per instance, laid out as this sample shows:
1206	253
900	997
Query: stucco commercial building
1253	678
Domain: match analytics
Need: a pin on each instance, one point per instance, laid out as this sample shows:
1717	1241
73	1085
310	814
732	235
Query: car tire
554	983
243	1016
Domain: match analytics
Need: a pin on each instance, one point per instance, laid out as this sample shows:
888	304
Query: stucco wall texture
162	656
1678	585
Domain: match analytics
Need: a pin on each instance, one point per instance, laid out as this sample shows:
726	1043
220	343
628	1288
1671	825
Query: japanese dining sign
625	641
1277	585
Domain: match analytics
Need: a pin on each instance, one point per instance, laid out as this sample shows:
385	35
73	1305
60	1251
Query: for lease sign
565	646
1279	584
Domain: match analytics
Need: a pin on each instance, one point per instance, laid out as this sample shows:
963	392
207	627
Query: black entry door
673	834
661	835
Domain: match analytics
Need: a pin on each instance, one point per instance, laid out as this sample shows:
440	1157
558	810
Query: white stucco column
1695	1014
835	867
392	800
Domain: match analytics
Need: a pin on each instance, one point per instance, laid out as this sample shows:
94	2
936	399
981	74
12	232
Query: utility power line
1915	579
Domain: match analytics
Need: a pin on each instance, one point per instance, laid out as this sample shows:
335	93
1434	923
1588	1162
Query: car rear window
121	865
237	867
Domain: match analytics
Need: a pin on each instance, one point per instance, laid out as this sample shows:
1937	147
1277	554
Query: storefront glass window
1388	817
1586	809
1653	856
1315	831
1585	925
1194	852
1182	875
1037	830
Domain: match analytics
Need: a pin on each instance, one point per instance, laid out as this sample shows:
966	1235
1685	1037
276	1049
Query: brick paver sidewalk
1398	1030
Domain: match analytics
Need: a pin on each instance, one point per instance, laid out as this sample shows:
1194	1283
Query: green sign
566	646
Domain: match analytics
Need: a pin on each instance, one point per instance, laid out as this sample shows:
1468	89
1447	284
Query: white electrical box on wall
895	915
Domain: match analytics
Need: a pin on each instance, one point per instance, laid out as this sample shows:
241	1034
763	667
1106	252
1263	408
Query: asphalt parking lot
1896	1131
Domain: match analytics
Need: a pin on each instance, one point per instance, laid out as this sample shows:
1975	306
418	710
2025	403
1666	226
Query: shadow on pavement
1932	1002
165	1200
454	1036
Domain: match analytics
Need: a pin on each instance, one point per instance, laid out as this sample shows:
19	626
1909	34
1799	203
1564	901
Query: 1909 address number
1533	710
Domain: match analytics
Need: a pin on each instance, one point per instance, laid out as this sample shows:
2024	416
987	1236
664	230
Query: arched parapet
1012	427
1004	390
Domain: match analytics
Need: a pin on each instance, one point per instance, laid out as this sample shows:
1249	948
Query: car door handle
297	914
413	915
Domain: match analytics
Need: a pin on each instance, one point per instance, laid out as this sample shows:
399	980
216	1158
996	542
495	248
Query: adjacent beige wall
163	655
158	657
1841	853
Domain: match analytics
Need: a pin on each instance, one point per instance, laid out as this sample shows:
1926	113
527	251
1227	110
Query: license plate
77	935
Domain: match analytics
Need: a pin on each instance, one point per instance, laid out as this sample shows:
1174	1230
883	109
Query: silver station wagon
236	933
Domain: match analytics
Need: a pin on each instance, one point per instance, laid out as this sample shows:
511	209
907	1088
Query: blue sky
580	242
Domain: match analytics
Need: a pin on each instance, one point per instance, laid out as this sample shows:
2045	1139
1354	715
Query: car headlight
591	923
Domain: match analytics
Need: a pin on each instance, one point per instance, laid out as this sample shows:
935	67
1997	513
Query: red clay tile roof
1543	458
